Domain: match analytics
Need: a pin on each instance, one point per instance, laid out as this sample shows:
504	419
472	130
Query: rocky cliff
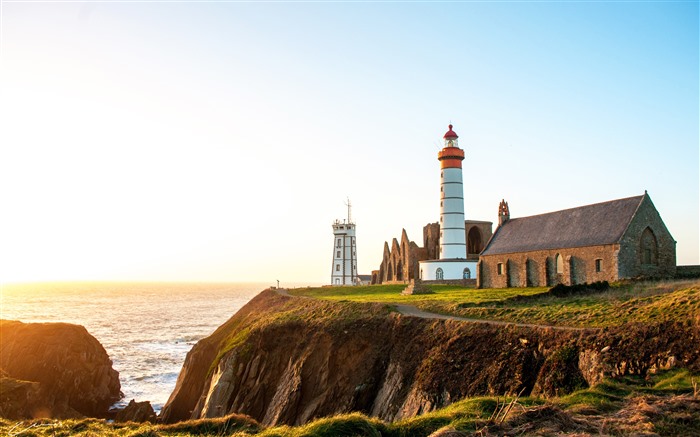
54	370
286	360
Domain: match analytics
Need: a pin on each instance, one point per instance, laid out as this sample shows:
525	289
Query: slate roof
590	225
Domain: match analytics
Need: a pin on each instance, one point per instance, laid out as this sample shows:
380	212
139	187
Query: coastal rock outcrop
55	370
136	412
286	360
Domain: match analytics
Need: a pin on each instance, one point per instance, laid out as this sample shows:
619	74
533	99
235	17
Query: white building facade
344	270
453	264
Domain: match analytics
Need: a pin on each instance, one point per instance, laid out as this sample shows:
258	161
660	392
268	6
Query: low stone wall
462	282
687	271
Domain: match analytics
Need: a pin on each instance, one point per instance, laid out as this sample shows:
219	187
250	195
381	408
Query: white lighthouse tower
344	252
453	262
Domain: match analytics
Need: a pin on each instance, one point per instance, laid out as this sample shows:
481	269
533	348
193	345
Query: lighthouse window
337	254
338	242
337	267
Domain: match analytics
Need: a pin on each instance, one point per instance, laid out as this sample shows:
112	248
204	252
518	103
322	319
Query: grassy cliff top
653	301
667	403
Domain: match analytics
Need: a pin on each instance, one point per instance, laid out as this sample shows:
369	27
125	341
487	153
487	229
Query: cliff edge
54	370
288	360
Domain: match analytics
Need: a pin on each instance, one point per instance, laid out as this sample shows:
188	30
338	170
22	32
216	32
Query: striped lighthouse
452	264
453	244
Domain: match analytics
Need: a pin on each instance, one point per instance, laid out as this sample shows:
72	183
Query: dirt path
285	292
412	311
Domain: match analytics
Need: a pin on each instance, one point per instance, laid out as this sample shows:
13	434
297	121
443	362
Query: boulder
19	399
73	372
136	412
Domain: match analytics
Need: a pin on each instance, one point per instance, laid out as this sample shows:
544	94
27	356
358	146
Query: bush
561	290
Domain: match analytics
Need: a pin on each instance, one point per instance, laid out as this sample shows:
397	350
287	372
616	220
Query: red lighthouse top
450	133
451	155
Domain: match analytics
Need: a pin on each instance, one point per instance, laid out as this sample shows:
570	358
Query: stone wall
687	271
478	233
431	240
539	268
462	282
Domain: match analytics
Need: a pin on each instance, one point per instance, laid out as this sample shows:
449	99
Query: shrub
561	290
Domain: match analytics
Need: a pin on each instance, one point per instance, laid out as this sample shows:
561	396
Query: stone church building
623	238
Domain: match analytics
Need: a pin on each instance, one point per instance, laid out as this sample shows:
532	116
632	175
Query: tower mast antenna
349	205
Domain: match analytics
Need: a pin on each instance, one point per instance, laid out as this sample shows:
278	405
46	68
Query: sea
146	328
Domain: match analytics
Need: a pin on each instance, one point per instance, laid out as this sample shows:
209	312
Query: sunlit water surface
146	328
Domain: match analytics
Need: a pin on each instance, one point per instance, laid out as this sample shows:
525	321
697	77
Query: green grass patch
660	301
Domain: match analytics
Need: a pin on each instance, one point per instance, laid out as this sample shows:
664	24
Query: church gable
647	248
590	225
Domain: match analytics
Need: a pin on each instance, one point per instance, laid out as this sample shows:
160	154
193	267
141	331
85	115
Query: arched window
439	274
467	274
560	263
648	248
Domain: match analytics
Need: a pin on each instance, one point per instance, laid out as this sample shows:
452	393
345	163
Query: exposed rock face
136	412
65	370
19	399
284	360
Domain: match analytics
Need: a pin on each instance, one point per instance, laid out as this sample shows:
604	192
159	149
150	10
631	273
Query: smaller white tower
344	252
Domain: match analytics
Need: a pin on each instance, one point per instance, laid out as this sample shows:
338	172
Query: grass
392	294
613	405
674	300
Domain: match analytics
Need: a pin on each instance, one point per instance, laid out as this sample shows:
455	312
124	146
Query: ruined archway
475	242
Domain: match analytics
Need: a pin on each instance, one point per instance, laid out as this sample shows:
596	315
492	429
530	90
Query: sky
218	141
